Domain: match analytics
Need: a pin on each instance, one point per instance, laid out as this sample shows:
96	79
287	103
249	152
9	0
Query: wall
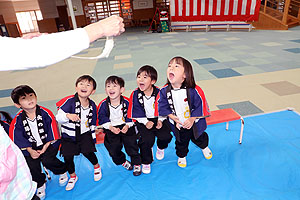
9	16
48	8
143	14
78	12
142	4
78	5
80	21
49	11
60	2
20	6
13	30
143	9
8	12
47	26
2	19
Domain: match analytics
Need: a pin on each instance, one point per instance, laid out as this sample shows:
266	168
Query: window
163	4
28	20
100	9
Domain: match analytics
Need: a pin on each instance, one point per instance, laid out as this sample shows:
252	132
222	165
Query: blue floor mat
265	166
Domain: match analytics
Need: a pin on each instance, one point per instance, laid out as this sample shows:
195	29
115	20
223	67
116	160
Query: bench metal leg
250	27
242	130
207	28
228	27
227	125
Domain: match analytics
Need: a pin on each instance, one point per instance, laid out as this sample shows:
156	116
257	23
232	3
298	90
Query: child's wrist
171	116
29	149
47	144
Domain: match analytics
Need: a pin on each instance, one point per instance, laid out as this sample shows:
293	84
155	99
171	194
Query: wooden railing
286	11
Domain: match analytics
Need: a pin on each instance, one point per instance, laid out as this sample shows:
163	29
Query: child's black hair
88	78
150	71
115	79
20	91
189	81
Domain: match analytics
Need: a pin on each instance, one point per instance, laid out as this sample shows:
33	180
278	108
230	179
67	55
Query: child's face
144	82
175	74
113	90
27	102
85	88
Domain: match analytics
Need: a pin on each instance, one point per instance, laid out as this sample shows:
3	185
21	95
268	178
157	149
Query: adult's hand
111	26
32	35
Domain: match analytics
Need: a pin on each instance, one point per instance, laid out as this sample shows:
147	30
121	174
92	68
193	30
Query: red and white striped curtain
214	10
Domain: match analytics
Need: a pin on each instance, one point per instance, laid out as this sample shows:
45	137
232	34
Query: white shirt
149	106
84	124
181	104
20	54
116	117
34	130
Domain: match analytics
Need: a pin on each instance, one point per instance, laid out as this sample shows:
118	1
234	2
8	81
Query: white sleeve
160	118
106	125
130	124
61	117
142	120
20	54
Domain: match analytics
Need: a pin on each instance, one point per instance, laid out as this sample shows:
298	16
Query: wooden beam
265	8
286	11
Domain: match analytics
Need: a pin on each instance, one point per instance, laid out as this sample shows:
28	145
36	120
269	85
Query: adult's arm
20	54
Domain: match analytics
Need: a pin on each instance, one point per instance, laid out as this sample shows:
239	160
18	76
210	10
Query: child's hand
125	129
33	153
45	147
159	124
176	120
189	123
73	117
149	125
178	126
114	130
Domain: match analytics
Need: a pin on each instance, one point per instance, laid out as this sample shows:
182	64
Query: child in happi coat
143	108
34	131
185	105
118	128
77	115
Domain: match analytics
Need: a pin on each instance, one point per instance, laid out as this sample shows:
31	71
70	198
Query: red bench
217	116
100	138
225	115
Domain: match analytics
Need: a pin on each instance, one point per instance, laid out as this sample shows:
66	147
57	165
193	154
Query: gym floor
256	73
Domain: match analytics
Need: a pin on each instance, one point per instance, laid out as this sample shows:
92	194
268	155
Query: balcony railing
286	11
